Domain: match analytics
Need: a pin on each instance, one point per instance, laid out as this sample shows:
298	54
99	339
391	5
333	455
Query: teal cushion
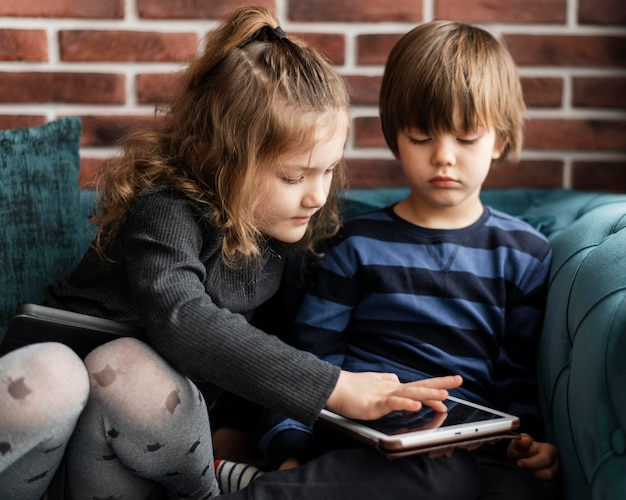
39	209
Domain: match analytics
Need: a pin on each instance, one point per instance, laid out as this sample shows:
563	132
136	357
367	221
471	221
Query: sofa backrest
39	210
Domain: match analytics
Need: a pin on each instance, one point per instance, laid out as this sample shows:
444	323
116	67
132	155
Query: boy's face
447	170
299	184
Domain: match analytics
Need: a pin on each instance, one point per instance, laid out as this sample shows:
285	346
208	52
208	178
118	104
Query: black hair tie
274	34
266	34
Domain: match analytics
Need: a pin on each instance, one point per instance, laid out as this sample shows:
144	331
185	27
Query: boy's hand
289	463
540	459
369	395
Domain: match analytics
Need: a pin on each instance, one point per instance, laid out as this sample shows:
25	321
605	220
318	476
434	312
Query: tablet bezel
419	441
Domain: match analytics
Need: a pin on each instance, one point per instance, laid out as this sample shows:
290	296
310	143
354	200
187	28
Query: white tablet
405	433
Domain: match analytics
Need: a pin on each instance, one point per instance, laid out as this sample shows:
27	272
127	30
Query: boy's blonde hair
252	95
442	68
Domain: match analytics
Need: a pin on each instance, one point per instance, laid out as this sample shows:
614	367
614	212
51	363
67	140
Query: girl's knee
129	378
44	382
127	359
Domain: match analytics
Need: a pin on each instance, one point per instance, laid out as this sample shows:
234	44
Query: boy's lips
443	181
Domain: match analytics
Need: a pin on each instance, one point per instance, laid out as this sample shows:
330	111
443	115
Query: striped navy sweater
394	297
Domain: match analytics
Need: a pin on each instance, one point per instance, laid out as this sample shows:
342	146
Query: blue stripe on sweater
450	257
426	309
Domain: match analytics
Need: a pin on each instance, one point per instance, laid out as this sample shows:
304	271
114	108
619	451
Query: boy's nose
443	153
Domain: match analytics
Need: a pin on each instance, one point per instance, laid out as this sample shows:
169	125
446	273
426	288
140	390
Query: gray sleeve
162	243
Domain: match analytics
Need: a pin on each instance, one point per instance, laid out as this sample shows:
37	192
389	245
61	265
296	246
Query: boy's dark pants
363	473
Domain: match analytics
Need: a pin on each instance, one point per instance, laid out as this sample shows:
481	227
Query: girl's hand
540	459
369	395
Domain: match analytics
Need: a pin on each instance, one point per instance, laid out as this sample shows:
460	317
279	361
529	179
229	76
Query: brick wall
109	61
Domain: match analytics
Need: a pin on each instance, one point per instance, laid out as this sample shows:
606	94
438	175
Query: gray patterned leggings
145	432
43	389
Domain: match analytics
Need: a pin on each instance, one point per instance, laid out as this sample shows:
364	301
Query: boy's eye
419	140
466	140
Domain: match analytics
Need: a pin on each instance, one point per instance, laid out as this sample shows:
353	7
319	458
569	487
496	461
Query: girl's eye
294	180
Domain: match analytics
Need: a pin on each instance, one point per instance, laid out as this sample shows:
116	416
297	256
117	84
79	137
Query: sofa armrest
583	347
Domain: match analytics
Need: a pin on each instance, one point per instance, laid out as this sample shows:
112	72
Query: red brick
368	132
364	90
502	11
88	169
351	11
332	46
567	50
602	12
127	46
599	176
372	172
100	9
526	174
21	121
374	49
107	130
599	92
542	92
193	9
71	88
23	45
576	134
156	87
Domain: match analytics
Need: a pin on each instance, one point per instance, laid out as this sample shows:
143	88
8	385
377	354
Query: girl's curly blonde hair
248	98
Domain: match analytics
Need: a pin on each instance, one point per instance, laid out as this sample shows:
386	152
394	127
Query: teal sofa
582	371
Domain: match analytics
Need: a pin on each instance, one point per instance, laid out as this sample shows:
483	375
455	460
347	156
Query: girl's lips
301	220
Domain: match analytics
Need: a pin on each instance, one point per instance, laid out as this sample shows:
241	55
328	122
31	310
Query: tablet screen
402	422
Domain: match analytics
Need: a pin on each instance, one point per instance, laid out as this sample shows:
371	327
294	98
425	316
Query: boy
438	283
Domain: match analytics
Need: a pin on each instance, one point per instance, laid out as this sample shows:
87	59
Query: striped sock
233	476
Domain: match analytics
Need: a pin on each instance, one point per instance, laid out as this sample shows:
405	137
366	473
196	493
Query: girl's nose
316	195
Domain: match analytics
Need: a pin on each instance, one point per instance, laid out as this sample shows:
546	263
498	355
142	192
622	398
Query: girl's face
299	184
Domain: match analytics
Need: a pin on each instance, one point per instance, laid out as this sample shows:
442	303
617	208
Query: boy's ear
499	149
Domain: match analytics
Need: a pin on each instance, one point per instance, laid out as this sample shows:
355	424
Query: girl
195	219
